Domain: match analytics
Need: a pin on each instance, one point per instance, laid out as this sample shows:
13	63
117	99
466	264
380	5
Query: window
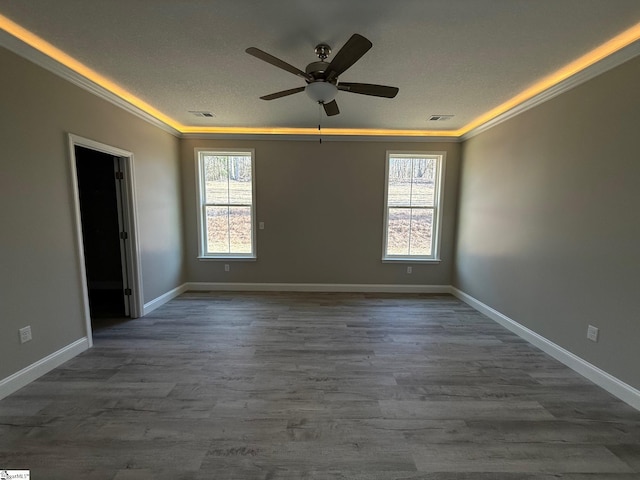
226	206
413	198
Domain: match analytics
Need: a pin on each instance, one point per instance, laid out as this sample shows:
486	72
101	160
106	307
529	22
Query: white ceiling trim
615	59
26	51
20	48
324	137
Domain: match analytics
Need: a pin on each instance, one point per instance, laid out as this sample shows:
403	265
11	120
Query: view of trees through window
227	208
228	197
410	205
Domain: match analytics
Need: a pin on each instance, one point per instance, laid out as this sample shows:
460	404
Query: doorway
106	228
106	263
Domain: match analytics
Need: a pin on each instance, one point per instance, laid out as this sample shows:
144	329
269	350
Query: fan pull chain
319	120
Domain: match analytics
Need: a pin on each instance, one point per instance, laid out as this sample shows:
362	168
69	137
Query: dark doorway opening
100	192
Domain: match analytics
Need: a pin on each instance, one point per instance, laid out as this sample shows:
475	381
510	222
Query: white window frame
201	204
440	158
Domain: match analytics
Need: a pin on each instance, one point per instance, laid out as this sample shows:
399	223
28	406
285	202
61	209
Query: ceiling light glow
617	43
61	57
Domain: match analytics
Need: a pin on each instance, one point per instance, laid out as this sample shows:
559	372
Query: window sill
226	259
410	260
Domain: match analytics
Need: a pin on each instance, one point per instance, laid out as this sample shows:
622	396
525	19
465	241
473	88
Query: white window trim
200	205
437	210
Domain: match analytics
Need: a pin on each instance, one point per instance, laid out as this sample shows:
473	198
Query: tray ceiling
460	58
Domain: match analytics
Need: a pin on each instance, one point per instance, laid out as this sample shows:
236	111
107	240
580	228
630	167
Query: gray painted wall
39	281
549	230
322	205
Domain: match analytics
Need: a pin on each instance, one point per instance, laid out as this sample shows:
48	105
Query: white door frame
130	222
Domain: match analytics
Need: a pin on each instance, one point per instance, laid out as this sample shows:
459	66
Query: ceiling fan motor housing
317	70
319	90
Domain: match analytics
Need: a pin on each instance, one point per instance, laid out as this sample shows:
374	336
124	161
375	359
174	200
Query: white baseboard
289	287
315	287
611	384
162	299
27	375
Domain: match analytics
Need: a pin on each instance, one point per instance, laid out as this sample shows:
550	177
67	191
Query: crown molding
615	59
24	50
324	137
20	48
30	53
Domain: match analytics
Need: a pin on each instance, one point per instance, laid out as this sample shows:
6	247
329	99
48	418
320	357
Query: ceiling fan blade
264	56
331	108
369	89
349	54
283	93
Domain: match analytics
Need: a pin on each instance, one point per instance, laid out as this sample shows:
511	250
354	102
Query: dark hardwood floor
316	386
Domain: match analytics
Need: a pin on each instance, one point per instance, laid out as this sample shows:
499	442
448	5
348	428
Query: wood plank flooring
324	386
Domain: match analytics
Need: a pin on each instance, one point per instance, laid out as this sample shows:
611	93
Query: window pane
240	229
227	202
398	231
409	231
422	190
216	178
412	185
399	186
240	190
217	229
421	228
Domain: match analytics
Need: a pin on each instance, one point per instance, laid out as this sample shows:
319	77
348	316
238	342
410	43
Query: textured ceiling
459	57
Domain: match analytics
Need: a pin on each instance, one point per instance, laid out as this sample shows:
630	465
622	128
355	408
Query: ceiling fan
322	76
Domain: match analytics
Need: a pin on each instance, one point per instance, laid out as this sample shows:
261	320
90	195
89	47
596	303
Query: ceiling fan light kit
322	77
321	92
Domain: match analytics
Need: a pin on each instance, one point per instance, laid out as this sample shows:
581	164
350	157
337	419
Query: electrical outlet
25	334
409	270
226	267
592	333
